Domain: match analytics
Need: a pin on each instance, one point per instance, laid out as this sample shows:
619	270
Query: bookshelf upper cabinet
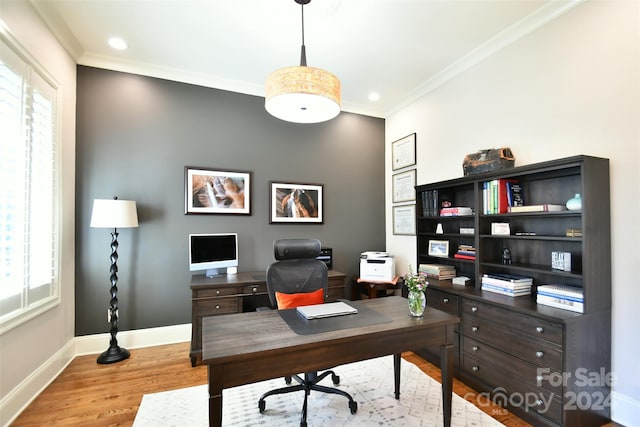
520	241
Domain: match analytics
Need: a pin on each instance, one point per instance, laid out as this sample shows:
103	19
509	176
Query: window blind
28	192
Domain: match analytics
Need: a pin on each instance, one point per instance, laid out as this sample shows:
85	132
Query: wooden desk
241	348
237	293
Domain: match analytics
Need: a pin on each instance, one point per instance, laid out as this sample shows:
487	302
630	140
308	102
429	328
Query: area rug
369	382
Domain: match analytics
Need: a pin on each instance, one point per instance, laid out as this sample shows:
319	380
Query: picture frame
217	191
403	152
292	202
404	220
403	186
438	248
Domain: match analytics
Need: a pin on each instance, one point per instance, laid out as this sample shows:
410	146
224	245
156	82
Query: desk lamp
114	214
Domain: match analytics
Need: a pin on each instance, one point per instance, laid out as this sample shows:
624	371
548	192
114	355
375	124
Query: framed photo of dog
217	191
296	203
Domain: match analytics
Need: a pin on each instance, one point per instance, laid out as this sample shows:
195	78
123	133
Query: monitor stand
213	272
217	272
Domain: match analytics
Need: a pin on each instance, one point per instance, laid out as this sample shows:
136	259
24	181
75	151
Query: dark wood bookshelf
504	342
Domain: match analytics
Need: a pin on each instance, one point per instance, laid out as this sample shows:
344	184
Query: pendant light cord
303	49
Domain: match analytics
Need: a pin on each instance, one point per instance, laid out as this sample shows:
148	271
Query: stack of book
465	252
507	284
438	271
561	296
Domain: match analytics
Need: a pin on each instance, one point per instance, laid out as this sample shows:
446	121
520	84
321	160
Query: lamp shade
302	94
113	213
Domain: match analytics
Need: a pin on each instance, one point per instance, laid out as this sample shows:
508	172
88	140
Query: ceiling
400	49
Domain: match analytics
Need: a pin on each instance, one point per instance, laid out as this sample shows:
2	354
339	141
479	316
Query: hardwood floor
88	394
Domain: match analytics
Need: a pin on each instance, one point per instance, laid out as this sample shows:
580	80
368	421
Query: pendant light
302	94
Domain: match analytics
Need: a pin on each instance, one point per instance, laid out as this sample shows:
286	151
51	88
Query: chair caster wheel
335	379
261	405
353	406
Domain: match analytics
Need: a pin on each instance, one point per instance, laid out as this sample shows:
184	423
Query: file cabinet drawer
214	292
217	306
513	322
255	289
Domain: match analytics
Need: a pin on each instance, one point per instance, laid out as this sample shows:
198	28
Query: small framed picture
439	248
404	184
296	203
217	191
403	152
404	220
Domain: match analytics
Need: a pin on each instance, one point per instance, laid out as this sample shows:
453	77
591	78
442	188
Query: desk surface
243	337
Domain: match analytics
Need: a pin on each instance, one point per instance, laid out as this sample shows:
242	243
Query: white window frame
31	309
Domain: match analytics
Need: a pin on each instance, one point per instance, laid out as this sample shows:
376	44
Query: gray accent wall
136	134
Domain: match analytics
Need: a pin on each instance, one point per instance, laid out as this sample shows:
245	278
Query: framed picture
403	152
404	220
217	191
404	184
296	203
439	248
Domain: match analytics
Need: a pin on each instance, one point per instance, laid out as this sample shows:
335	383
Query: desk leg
446	368
396	374
215	399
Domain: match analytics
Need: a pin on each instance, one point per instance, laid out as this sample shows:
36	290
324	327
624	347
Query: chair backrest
297	269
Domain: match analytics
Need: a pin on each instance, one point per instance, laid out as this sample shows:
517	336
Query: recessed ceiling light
374	96
117	43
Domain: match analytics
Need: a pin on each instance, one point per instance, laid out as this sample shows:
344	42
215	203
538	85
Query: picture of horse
296	203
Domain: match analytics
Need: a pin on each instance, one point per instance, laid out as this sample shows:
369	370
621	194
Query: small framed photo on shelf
217	191
403	152
296	203
500	229
438	248
404	220
404	184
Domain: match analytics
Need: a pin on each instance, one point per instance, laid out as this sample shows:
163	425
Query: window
28	187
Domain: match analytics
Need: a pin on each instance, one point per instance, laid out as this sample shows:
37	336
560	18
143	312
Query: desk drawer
442	301
256	288
214	307
215	292
513	322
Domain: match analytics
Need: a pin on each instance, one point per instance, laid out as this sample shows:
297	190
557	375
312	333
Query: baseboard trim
21	396
139	338
624	410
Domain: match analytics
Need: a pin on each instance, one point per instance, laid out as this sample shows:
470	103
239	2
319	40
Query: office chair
298	271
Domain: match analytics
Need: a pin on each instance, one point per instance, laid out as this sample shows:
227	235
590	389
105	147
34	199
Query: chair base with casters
310	382
299	278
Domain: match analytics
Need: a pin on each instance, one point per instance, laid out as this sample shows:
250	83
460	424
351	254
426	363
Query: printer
377	266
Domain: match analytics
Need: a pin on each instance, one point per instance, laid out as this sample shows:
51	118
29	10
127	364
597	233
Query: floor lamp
114	214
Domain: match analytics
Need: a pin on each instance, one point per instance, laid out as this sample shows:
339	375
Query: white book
496	290
505	284
318	311
562	303
566	290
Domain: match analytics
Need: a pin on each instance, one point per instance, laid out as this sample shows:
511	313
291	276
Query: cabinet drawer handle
217	307
475	348
255	289
217	292
474	328
475	368
539	354
539	329
474	309
445	300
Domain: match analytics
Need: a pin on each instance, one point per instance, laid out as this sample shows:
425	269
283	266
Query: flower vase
417	303
575	203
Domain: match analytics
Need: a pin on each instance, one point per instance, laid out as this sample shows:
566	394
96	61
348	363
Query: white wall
570	87
26	349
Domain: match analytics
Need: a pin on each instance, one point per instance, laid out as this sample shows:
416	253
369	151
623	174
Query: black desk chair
297	275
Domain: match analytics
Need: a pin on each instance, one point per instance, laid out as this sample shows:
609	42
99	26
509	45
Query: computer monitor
214	253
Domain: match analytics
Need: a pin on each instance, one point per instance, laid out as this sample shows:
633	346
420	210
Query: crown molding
508	36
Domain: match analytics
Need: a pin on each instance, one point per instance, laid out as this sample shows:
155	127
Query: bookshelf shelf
508	324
